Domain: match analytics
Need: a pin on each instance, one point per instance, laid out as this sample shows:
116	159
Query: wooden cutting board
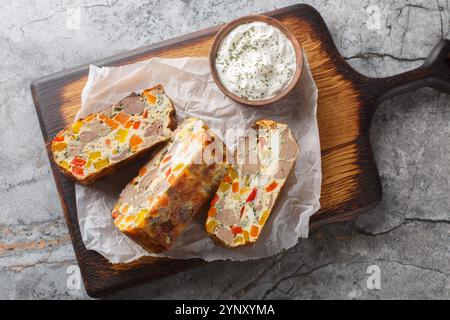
347	101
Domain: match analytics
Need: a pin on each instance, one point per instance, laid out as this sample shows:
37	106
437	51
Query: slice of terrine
247	194
158	204
98	144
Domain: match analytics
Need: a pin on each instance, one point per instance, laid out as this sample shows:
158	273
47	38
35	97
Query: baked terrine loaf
158	204
96	145
247	194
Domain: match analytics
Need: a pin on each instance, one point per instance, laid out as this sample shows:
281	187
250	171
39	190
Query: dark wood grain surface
347	101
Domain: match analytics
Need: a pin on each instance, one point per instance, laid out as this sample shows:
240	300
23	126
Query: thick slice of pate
158	204
247	194
96	145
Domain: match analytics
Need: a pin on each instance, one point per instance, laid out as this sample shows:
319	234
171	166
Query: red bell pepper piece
236	230
78	162
136	125
59	138
242	211
214	200
252	195
78	171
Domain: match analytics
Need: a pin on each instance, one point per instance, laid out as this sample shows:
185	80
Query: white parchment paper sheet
188	83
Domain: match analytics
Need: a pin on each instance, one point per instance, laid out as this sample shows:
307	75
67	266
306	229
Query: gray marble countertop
407	236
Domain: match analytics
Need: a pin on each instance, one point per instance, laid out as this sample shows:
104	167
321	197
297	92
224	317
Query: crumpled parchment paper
188	82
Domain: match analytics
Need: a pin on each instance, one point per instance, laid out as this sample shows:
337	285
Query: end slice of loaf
158	204
247	194
100	143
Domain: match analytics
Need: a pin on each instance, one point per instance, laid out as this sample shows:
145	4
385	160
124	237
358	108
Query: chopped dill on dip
255	61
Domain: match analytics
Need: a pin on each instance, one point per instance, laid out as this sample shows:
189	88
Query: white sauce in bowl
255	61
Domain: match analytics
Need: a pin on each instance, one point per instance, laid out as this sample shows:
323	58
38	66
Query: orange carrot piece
172	179
142	171
254	231
164	201
115	214
112	123
122	118
150	98
271	186
235	187
212	212
129	124
135	140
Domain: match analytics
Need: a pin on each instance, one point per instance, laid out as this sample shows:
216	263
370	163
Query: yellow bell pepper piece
57	147
244	190
264	217
101	163
90	117
224	186
77	126
246	236
121	135
211	226
64	164
94	155
141	215
178	167
233	173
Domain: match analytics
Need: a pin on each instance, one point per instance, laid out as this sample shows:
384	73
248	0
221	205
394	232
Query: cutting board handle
433	73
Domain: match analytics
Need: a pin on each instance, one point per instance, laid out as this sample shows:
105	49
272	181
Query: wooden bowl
273	22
